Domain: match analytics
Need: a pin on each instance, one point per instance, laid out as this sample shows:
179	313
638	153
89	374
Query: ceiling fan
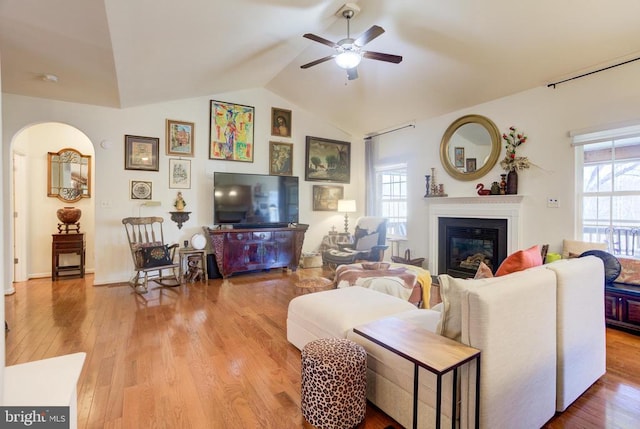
349	51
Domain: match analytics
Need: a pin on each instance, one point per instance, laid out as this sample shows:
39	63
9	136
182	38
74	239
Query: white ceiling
457	53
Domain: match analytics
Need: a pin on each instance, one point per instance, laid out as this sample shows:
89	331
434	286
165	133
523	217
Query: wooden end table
435	353
72	243
185	254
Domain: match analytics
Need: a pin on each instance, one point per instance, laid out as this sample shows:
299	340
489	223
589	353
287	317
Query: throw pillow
484	272
612	266
520	260
155	256
629	271
367	242
574	248
452	290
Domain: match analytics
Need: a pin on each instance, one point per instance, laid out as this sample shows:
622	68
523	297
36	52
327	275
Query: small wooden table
63	244
435	353
188	253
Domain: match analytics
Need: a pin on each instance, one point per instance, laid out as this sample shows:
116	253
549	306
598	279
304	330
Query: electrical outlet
553	203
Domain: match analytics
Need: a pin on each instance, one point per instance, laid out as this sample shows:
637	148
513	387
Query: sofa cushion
574	248
520	260
630	271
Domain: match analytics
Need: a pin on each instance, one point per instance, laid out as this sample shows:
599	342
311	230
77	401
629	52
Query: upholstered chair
368	244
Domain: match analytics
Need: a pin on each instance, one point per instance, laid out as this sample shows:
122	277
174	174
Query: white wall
107	127
546	115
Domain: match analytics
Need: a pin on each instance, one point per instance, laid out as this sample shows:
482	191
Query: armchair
368	245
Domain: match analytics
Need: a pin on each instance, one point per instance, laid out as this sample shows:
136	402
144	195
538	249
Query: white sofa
541	332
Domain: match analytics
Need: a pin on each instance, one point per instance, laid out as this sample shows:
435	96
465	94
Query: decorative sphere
69	215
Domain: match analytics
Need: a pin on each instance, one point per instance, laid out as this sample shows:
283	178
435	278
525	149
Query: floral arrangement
512	140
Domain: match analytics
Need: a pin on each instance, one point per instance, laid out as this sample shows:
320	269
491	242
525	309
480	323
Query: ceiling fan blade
382	57
320	40
352	73
369	35
316	62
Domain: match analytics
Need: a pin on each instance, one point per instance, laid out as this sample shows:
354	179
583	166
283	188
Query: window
610	195
391	188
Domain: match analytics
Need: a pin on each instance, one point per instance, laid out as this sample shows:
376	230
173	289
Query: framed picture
280	122
179	173
141	153
459	157
471	165
281	158
180	138
325	197
327	160
140	190
231	131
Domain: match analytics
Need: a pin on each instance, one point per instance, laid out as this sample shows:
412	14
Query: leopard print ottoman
334	383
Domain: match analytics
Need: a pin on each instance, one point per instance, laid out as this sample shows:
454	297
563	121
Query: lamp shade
347	206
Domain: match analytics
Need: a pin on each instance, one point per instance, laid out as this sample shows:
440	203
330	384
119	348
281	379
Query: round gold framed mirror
470	147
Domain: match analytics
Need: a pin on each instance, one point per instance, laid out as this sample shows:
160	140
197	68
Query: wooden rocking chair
151	256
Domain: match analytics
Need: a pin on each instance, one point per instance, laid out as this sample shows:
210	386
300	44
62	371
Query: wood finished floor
216	356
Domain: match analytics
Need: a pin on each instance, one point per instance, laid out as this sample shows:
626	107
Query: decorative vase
69	215
512	182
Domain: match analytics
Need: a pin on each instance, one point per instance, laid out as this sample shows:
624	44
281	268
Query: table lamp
346	207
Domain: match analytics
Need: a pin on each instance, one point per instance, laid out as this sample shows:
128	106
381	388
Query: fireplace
463	243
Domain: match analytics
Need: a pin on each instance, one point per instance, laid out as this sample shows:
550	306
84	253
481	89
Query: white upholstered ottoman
333	313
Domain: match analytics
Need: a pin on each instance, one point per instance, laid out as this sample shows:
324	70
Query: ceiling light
348	59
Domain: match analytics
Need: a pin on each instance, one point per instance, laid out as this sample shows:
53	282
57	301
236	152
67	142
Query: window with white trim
391	188
609	172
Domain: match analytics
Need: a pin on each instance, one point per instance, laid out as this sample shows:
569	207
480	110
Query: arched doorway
34	212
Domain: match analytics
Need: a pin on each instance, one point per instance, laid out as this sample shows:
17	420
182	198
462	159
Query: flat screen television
254	200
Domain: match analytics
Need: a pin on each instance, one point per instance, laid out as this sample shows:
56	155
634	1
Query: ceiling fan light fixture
348	59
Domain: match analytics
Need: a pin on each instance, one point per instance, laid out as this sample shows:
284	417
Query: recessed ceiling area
123	53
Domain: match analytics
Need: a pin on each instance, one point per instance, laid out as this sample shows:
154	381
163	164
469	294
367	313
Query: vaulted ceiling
457	53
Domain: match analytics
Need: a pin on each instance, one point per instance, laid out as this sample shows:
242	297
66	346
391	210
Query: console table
250	249
435	353
72	243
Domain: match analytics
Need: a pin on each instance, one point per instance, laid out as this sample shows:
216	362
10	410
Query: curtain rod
553	85
390	131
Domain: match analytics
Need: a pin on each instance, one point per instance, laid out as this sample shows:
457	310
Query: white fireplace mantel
485	207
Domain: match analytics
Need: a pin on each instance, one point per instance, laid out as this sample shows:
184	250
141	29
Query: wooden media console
251	249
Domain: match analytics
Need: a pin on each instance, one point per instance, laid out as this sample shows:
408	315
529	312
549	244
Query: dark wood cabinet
72	243
622	306
242	250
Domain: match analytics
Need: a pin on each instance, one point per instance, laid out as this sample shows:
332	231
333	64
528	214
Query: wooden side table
395	245
435	353
189	253
72	243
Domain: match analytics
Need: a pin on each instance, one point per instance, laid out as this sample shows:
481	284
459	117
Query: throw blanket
401	281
